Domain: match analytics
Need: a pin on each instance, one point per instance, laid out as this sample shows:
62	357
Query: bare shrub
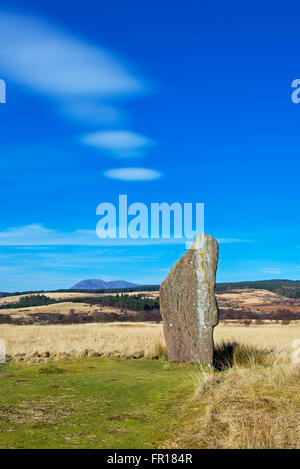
259	322
247	322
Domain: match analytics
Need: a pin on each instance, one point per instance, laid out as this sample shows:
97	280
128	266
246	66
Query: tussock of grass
247	409
250	400
231	354
160	351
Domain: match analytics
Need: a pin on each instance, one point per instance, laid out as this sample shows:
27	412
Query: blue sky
197	95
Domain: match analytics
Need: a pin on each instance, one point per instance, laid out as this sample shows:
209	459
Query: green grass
247	401
93	403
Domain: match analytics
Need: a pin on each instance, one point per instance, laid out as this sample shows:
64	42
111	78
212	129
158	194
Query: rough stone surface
188	303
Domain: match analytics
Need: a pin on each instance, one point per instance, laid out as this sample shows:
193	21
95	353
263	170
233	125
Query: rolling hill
98	284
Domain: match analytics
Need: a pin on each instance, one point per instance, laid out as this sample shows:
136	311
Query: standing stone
188	303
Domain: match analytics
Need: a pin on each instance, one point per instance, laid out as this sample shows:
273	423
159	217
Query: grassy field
57	399
115	403
133	339
93	403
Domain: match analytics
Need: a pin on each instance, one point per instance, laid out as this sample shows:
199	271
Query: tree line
123	301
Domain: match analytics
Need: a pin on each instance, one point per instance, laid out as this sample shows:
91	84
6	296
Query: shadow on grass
231	354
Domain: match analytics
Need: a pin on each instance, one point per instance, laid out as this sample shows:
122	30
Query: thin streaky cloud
38	235
92	111
233	240
44	57
119	142
271	271
133	174
80	78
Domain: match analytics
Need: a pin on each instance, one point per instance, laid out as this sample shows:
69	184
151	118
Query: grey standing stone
188	303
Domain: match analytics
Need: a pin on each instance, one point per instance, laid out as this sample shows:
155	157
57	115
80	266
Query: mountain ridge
99	284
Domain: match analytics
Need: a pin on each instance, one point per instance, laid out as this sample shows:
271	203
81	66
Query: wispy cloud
82	79
119	142
38	235
91	111
42	56
133	174
233	240
271	271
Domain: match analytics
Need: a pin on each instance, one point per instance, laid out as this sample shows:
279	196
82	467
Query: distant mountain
98	284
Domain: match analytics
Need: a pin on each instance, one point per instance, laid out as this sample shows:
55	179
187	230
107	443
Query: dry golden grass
256	300
251	296
58	308
254	402
134	338
119	339
267	336
253	407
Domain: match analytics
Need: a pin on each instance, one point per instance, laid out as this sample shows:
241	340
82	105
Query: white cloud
24	232
38	235
80	78
133	174
83	80
120	142
271	271
39	55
